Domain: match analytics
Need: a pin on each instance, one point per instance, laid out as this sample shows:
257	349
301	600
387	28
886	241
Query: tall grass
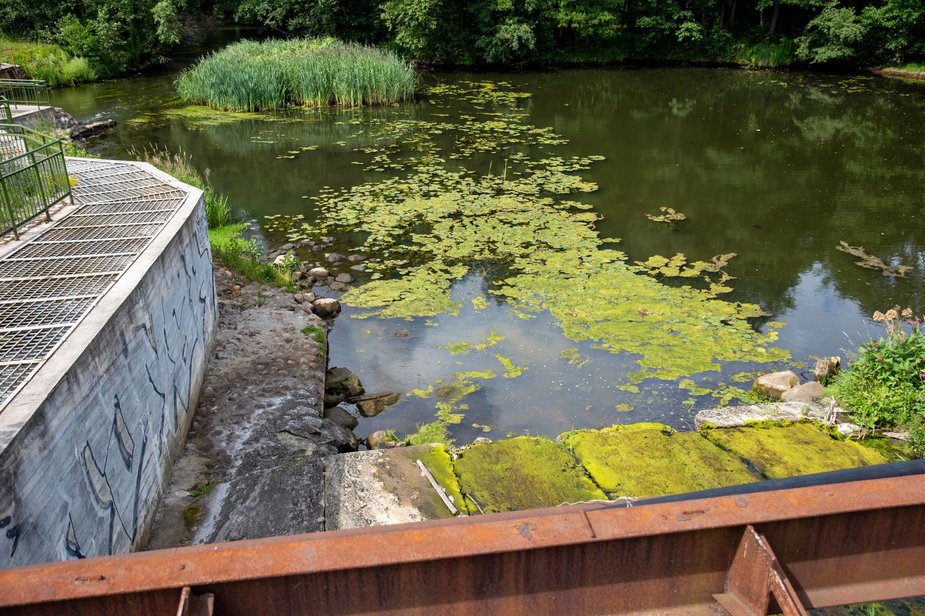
49	62
252	76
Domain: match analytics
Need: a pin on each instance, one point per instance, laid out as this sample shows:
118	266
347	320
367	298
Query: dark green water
778	168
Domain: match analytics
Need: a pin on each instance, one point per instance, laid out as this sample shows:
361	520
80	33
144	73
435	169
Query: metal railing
33	176
6	114
29	92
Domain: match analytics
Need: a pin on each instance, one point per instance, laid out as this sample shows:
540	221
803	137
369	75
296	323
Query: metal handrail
6	114
33	176
32	92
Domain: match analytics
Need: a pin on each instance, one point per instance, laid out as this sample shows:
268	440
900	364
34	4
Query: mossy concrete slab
385	486
786	450
522	473
651	459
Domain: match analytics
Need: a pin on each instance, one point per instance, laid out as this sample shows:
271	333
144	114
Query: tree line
116	35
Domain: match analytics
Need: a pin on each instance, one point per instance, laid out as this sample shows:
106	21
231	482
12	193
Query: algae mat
778	451
522	473
653	460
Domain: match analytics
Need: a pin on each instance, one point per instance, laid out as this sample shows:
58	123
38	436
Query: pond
515	280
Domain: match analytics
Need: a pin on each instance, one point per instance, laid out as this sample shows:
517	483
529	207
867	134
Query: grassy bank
49	62
226	234
251	76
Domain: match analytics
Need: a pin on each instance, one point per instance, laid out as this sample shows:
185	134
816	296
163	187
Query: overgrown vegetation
117	35
49	62
226	235
252	76
885	386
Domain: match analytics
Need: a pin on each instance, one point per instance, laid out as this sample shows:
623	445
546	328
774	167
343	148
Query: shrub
50	62
885	387
251	76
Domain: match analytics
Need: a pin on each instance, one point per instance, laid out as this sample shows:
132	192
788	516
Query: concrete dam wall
86	441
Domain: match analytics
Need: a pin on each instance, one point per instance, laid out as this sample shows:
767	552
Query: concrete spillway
106	319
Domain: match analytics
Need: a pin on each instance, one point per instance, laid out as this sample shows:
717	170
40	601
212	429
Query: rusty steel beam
821	545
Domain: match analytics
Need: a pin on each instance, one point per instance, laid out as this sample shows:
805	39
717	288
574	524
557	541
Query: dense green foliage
113	35
252	76
50	62
885	387
118	34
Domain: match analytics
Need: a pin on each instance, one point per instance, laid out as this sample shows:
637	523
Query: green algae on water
436	223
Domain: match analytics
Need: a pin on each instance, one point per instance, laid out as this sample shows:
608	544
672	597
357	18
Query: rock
343	381
345	278
341	417
338	287
91	130
286	247
308	297
736	416
355	258
774	385
381	439
318	273
297	276
332	400
278	259
826	368
482	440
303	268
307	308
326	308
358	268
341	438
807	392
849	429
299	298
334	257
371	405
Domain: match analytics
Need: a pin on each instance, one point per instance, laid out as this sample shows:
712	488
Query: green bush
251	76
50	62
885	386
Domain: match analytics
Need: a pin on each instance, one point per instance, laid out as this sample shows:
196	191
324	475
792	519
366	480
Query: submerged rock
371	405
774	385
340	287
345	278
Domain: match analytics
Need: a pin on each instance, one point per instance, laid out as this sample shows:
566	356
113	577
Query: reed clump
315	72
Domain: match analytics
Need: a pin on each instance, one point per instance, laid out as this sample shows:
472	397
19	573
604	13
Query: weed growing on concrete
316	333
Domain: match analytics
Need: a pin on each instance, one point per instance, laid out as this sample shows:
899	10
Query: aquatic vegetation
872	262
574	358
252	76
511	370
648	459
463	347
522	473
786	450
668	215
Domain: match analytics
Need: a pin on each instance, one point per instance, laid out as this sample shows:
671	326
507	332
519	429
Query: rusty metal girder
747	553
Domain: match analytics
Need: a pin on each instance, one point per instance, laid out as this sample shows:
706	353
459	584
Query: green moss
785	450
522	473
440	465
191	516
649	459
